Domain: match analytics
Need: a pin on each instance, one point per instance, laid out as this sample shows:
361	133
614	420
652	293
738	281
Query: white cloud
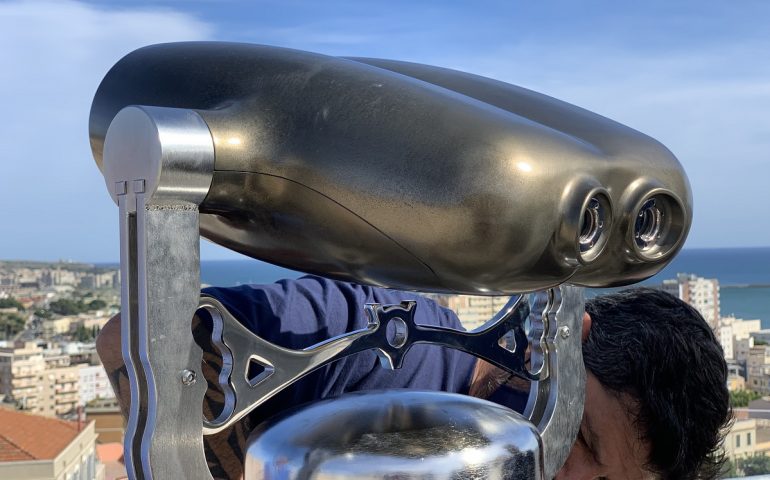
706	98
52	57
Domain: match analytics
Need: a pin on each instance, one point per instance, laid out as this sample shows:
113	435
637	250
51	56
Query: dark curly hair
658	349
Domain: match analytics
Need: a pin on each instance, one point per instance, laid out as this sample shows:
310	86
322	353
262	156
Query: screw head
564	332
188	377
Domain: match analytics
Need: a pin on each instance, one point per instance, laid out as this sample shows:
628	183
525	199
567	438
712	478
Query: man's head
656	395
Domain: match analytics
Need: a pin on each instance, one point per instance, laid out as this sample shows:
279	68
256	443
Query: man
656	396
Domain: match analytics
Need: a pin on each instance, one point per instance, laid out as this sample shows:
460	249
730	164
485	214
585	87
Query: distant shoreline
245	258
747	285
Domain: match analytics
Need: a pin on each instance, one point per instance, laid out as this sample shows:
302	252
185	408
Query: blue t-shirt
299	313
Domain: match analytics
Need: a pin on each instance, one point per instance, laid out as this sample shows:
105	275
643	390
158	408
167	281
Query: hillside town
51	378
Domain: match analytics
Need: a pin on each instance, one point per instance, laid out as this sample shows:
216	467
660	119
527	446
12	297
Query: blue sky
693	74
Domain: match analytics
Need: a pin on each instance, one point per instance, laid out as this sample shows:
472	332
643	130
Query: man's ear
586	326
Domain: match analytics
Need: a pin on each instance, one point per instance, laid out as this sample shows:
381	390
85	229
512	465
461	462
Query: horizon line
245	257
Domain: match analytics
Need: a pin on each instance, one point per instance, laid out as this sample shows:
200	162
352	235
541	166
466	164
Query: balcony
67	397
27	391
24	382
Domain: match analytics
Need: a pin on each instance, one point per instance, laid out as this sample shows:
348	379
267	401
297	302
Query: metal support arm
156	164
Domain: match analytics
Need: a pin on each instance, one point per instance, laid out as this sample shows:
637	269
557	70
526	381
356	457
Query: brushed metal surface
636	166
358	172
171	440
555	403
401	434
158	164
167	153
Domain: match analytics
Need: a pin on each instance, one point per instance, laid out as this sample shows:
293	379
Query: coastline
746	285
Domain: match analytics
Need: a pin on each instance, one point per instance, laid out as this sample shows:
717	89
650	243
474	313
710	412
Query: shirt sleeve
299	313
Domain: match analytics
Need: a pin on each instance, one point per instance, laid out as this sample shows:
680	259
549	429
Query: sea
743	274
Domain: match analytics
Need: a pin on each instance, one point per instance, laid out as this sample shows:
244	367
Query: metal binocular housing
383	173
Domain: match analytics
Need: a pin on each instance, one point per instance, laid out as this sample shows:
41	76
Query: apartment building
747	438
21	370
758	369
94	384
701	293
733	330
474	311
33	447
65	382
741	349
39	380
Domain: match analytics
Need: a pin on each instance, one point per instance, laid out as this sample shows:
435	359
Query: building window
737	441
748	439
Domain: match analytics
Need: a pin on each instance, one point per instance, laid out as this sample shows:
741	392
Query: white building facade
94	384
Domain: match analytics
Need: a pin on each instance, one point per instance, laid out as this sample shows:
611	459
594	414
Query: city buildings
758	369
21	372
20	279
44	380
747	438
741	349
39	448
746	348
474	311
93	384
701	293
108	418
733	330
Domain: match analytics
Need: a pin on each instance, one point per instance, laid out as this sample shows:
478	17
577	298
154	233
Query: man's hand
108	348
487	378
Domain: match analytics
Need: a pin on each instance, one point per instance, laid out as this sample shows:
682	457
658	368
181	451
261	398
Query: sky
693	74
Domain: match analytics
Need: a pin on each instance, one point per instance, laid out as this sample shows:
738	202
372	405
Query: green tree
11	324
97	304
67	306
10	302
83	334
729	470
741	398
43	313
755	465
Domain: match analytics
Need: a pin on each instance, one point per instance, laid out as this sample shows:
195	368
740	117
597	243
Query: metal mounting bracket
555	404
158	164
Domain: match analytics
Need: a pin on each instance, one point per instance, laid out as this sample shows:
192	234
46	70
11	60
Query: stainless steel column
158	163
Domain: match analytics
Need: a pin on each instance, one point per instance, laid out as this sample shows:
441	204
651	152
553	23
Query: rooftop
109	452
32	437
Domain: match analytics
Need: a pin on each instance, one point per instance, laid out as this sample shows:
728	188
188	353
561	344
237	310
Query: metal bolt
138	186
188	377
121	188
564	332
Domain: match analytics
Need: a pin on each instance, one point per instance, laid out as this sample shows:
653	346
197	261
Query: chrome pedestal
398	434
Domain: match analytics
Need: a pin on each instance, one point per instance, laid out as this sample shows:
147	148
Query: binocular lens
592	225
648	225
